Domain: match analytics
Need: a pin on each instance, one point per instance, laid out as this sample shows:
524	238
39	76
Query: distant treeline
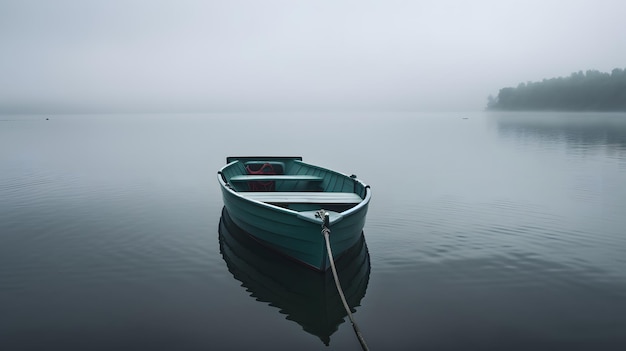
590	91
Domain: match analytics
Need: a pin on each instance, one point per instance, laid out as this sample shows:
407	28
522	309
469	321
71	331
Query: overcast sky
193	56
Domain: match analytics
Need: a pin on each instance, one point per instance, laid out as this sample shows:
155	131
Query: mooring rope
326	232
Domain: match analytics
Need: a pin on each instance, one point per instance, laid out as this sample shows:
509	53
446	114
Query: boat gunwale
226	186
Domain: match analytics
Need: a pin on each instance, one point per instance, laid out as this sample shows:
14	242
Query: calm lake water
486	231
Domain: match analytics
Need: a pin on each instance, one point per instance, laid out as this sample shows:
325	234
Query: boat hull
296	234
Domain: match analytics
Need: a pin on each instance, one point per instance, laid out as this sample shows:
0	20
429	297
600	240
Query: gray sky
193	56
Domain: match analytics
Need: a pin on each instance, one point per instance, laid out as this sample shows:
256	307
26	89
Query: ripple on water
67	229
507	242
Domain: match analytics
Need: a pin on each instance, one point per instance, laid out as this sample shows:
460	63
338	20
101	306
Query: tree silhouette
589	91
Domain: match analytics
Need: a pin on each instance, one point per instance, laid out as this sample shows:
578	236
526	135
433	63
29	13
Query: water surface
486	231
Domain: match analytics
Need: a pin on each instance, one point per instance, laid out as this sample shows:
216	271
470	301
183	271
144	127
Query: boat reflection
305	296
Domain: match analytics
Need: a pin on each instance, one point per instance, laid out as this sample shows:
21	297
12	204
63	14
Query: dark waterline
487	231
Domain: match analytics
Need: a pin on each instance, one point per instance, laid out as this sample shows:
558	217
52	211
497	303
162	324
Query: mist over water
244	55
485	231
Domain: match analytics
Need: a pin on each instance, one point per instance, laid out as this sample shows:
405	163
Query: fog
202	56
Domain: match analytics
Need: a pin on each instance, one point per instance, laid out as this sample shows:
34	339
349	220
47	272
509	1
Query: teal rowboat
276	199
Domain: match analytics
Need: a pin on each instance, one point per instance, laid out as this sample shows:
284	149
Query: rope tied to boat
325	217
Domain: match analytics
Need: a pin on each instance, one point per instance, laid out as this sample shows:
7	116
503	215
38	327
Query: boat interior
293	184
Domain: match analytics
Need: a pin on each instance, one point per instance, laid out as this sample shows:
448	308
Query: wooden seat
303	197
274	177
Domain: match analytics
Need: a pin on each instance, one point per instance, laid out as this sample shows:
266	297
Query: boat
282	202
304	296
